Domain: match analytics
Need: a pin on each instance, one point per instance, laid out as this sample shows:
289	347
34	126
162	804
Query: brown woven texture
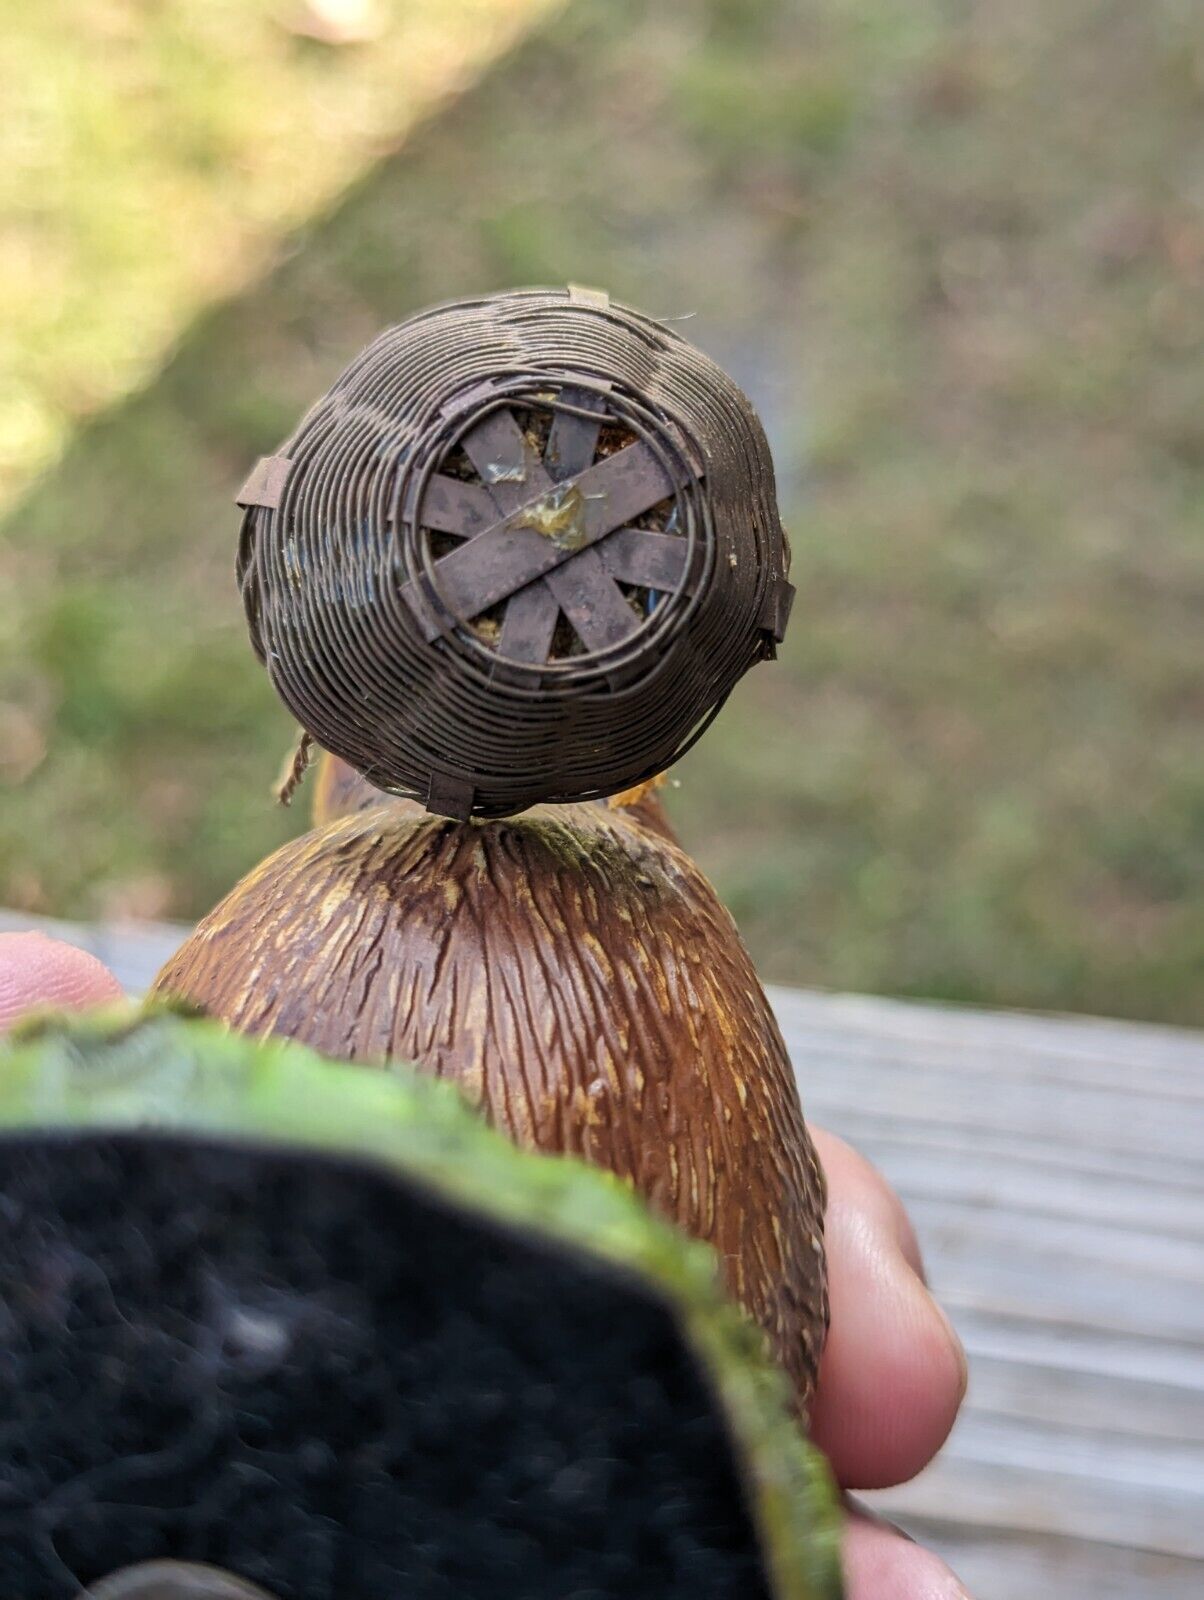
520	552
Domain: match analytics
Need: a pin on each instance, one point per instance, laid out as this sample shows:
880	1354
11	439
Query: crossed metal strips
549	534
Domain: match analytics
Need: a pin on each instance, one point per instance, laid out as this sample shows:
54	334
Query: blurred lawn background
954	251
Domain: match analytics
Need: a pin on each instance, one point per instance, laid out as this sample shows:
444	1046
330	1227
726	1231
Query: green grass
956	254
150	157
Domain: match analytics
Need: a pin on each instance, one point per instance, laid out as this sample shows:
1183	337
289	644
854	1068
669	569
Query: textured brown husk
576	975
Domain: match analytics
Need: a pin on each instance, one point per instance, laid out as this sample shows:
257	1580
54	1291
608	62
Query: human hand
893	1371
892	1377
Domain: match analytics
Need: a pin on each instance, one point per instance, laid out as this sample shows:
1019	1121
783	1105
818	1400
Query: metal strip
637	555
775	613
582	294
593	602
265	483
452	506
512	472
573	439
508	467
507	556
449	796
529	623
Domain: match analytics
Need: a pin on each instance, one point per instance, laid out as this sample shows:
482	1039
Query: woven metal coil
521	551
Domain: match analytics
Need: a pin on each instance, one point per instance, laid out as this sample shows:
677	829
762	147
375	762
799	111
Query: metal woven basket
520	552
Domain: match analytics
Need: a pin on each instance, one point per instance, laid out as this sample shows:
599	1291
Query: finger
880	1563
853	1171
36	971
893	1372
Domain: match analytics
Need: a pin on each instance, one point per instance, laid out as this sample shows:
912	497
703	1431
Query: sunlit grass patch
151	157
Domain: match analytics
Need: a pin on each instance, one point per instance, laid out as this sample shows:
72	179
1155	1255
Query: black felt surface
338	1387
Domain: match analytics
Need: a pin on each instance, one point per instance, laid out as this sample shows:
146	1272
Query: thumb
36	971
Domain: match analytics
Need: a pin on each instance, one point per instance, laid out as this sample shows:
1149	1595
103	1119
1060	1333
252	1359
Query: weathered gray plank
1069	1398
996	1564
1054	1168
1172	1208
1024	1495
1067	1044
1141	1119
1113	1357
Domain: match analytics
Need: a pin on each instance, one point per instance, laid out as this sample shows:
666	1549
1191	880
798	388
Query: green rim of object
157	1069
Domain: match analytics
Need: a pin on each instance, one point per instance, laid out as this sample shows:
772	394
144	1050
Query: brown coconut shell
341	791
577	976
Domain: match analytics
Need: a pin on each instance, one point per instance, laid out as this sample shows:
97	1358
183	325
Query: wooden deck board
1055	1171
1054	1168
